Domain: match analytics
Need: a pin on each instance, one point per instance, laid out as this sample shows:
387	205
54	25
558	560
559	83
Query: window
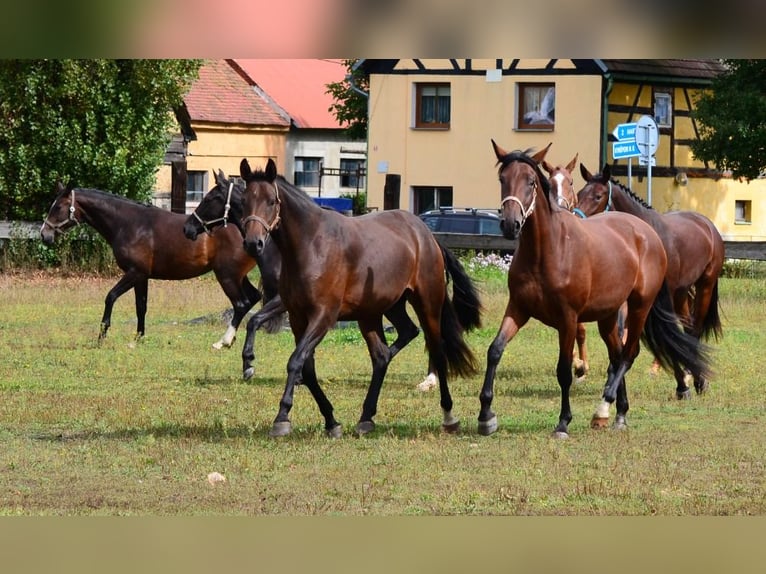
307	171
196	186
432	106
426	198
742	211
663	109
352	173
537	106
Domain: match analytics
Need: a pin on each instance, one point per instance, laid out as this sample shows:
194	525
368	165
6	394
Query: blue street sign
625	132
622	150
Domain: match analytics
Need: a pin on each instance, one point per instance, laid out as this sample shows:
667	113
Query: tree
99	123
732	118
350	107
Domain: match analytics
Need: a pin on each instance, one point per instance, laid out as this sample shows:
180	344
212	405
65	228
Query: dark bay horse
563	191
695	253
148	243
219	207
363	268
567	269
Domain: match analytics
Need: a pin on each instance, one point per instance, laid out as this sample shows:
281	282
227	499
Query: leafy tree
350	107
98	123
732	115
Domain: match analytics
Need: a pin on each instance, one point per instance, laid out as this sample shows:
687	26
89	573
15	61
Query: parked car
468	220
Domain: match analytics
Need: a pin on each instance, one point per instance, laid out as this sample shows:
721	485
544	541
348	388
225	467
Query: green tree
98	123
350	107
732	118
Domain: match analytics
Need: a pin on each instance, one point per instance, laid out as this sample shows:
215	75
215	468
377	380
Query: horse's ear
69	185
606	173
547	167
539	156
244	169
573	163
586	175
271	170
220	178
59	187
500	153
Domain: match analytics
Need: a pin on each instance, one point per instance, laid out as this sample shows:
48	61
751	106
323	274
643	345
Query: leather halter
525	213
269	227
579	212
58	226
207	224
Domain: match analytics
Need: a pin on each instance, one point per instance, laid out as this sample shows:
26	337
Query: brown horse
567	269
695	253
149	243
562	184
358	268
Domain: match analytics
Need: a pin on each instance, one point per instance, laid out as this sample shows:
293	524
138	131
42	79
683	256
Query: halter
68	220
525	213
225	218
609	200
269	227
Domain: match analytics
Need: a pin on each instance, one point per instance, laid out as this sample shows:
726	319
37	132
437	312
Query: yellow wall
462	157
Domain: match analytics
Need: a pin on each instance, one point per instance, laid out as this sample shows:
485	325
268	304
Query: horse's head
520	178
62	214
260	205
596	196
219	206
562	183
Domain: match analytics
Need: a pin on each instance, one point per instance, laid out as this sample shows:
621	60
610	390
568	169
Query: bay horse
695	253
362	268
219	207
148	243
567	269
562	185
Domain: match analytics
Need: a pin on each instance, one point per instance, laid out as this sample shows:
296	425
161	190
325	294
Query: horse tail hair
465	297
711	323
669	343
459	314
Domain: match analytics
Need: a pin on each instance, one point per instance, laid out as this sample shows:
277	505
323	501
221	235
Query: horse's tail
465	297
673	347
711	322
459	314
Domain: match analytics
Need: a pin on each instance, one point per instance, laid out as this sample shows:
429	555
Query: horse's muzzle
190	231
254	246
511	228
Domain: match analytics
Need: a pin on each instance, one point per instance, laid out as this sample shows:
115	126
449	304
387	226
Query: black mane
632	195
523	156
284	185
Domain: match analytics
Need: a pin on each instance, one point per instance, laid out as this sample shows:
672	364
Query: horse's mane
110	196
523	156
284	185
631	195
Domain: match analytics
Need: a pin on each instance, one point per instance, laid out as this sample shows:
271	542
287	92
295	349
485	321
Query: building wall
462	157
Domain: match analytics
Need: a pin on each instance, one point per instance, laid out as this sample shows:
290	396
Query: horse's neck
299	221
102	212
539	235
624	201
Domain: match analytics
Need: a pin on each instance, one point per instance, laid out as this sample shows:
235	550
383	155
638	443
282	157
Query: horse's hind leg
581	362
268	312
242	295
380	355
125	283
406	331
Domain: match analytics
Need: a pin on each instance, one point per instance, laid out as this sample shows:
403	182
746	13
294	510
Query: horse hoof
702	387
334	432
620	424
580	379
451	427
559	434
282	428
218	346
248	373
486	428
684	395
364	427
598	422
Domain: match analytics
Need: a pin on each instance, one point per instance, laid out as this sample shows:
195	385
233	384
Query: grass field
135	429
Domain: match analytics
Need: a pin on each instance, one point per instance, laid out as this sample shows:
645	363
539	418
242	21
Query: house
260	109
431	122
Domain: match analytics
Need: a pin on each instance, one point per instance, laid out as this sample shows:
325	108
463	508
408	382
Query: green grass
134	429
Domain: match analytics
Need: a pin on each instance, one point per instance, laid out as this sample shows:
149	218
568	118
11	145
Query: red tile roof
223	94
298	86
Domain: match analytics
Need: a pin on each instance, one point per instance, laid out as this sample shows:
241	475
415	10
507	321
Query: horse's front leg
141	290
564	376
125	283
242	295
510	325
271	310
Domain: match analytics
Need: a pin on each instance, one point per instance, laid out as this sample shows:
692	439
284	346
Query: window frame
350	176
196	195
439	197
299	160
521	100
746	207
419	123
667	97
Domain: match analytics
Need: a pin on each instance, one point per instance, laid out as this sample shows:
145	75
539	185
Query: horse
148	243
695	253
566	270
219	206
562	183
363	268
